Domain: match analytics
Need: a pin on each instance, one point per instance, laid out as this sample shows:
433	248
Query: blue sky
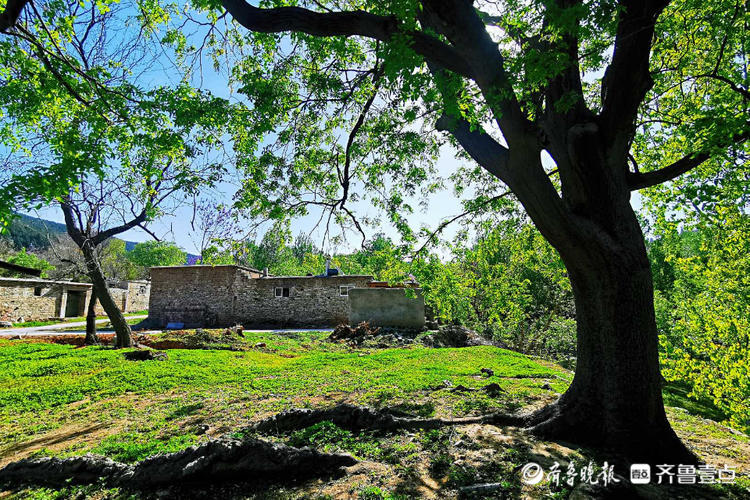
177	227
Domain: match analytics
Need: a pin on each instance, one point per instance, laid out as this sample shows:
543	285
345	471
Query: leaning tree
621	96
87	132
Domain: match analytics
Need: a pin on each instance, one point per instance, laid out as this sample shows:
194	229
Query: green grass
60	400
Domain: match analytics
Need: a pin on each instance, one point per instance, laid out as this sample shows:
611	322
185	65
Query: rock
145	355
479	489
456	336
493	389
462	388
260	344
489	372
547	387
5	324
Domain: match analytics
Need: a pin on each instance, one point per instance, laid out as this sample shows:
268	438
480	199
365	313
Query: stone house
35	299
225	295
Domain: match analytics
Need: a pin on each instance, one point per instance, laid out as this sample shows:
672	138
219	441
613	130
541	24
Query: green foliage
116	262
703	313
27	259
157	253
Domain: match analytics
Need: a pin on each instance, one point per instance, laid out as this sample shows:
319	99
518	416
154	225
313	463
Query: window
344	290
282	291
38	291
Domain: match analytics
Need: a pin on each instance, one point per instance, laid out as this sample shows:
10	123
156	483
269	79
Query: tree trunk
91	338
615	400
123	336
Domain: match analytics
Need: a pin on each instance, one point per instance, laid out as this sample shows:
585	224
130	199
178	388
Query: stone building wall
311	300
139	293
23	299
33	299
225	295
193	295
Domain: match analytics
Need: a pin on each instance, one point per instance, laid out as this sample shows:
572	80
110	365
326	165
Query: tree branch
641	180
104	235
348	23
459	22
11	13
485	150
627	79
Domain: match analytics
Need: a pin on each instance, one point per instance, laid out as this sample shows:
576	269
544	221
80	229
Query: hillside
35	234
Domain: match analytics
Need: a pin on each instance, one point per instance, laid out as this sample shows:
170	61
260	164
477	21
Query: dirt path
31	331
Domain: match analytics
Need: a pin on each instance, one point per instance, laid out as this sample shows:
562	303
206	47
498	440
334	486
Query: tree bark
123	335
615	400
91	338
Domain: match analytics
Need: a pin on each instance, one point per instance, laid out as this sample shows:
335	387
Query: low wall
386	307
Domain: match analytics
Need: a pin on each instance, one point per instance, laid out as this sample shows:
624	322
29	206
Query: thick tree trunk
615	400
91	338
123	337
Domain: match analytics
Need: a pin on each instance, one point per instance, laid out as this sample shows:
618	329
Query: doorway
73	307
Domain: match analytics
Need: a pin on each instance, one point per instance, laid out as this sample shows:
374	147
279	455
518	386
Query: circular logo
532	473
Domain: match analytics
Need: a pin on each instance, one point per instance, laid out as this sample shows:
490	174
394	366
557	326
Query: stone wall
311	300
226	295
386	307
23	299
139	293
193	295
19	300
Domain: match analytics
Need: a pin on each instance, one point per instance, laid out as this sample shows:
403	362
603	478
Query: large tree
620	96
666	91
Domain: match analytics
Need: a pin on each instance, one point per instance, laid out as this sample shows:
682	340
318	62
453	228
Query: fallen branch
222	459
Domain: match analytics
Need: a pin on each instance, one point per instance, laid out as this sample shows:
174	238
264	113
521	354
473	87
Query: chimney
265	272
328	266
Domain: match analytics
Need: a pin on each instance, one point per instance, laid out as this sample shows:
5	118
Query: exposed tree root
578	423
222	459
357	418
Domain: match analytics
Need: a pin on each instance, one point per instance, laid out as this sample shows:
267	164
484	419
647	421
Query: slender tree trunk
123	336
91	338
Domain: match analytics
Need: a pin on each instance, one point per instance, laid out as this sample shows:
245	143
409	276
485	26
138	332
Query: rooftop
193	266
42	281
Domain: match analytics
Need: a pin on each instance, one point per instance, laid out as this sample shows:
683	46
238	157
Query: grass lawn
61	400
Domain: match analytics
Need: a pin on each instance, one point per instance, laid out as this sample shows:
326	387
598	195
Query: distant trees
156	253
26	259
